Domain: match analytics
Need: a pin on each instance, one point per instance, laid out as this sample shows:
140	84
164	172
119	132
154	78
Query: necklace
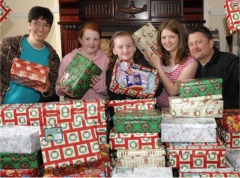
35	47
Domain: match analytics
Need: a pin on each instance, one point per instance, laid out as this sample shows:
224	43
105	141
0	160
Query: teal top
19	93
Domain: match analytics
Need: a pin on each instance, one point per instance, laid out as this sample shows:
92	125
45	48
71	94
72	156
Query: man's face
200	47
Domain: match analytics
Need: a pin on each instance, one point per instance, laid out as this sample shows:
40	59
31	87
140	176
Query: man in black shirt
215	63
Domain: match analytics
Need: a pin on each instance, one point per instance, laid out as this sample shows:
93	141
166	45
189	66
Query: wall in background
16	23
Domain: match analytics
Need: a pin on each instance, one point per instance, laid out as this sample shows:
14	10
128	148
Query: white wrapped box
188	129
19	139
233	156
157	172
141	158
202	106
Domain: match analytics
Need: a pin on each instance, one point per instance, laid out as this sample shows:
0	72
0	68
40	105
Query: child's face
169	40
90	41
124	48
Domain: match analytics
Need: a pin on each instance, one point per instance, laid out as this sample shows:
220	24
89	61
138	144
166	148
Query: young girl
122	47
175	62
89	38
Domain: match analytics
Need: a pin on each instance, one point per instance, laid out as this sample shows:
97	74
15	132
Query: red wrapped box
95	169
36	172
29	73
230	139
69	143
134	104
134	80
231	120
101	130
133	141
196	155
232	11
21	114
75	110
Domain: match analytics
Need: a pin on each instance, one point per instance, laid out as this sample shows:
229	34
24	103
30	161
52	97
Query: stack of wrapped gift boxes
190	130
135	140
72	135
20	152
229	132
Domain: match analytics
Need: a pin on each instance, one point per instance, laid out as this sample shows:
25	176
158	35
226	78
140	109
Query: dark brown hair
112	56
182	51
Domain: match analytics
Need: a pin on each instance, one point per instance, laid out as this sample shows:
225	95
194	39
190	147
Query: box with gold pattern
200	87
78	74
131	121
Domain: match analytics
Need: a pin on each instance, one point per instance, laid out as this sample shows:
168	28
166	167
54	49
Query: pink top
97	91
162	100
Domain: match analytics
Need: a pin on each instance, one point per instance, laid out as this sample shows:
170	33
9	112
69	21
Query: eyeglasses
44	25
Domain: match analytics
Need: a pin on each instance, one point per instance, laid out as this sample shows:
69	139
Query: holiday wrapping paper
119	172
200	87
141	158
124	141
202	106
101	131
220	174
94	169
29	73
184	172
78	75
21	114
188	129
230	139
20	161
196	155
146	40
234	158
34	172
232	11
231	120
5	11
133	104
134	80
19	139
131	121
92	110
69	143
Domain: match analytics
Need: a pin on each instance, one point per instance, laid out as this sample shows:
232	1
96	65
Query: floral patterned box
132	121
196	155
202	106
29	73
19	139
188	129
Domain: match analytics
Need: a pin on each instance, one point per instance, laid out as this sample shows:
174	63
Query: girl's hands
155	62
94	80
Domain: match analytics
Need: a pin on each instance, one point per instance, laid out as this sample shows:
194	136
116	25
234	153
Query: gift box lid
137	114
176	123
201	81
177	99
132	135
142	152
15	132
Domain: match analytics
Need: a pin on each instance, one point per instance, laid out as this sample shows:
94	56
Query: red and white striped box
134	104
21	114
196	155
124	141
75	110
77	143
230	139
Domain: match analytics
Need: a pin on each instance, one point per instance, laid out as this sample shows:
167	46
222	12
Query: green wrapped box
20	160
133	121
78	74
200	87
